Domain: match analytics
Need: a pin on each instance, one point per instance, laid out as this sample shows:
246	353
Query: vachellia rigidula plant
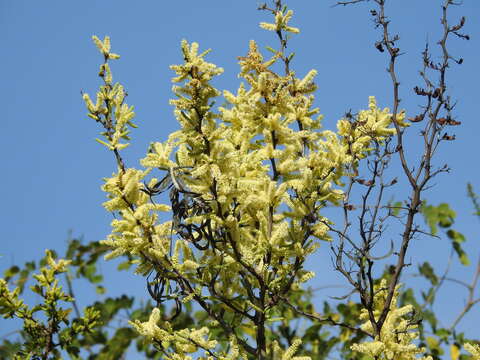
247	183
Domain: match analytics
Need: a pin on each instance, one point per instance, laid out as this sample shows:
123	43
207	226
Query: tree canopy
222	217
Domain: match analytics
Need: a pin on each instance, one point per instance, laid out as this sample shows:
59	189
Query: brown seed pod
417	118
452	122
442	121
448	137
349	207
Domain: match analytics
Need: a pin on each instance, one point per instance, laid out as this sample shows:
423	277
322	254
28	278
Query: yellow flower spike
106	44
401	119
307	79
281	23
292	29
397	334
57	267
268	26
91	108
108	73
473	349
288	355
99	44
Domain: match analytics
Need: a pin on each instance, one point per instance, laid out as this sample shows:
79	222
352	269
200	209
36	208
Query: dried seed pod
452	122
349	207
379	46
442	121
365	182
421	92
417	118
448	137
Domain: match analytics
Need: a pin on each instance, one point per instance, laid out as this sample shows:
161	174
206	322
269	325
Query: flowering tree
248	184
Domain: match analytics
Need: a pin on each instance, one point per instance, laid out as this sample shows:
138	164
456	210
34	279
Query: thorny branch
437	116
345	3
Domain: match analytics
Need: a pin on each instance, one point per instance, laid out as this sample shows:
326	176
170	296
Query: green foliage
55	326
440	341
444	217
440	215
47	327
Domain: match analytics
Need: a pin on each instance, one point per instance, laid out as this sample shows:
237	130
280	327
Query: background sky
52	168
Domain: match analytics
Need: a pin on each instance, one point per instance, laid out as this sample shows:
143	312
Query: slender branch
471	300
72	295
371	223
329	320
345	3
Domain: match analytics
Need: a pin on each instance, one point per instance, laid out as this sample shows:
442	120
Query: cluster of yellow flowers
281	23
473	349
397	333
256	183
370	125
110	103
184	341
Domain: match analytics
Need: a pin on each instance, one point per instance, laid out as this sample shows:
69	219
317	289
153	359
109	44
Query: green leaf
72	247
124	265
462	255
456	236
440	215
11	272
272	50
431	318
89	272
474	198
96	279
446	216
429	296
30	266
396	206
443	334
427	271
457	239
274	319
408	297
73	350
110	147
432	342
37	289
312	332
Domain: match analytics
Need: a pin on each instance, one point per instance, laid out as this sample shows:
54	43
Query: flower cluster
395	341
110	109
473	349
248	181
281	23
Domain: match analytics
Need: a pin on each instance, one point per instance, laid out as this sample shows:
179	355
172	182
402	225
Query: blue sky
53	168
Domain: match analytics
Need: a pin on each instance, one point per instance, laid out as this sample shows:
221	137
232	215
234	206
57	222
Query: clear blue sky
53	167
